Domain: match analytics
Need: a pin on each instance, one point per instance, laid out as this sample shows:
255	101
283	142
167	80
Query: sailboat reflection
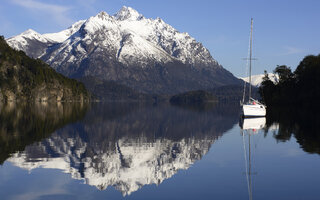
252	124
250	127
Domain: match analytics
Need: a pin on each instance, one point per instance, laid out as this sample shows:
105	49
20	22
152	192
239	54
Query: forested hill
24	78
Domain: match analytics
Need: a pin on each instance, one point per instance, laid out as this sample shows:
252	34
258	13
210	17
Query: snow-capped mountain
145	54
256	80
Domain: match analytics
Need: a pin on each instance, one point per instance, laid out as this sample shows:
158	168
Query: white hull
250	110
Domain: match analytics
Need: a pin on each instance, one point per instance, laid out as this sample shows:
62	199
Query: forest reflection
301	124
22	124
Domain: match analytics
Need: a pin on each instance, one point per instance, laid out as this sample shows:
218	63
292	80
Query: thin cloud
291	50
57	12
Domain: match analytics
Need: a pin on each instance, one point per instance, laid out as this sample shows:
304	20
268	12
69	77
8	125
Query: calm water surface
132	151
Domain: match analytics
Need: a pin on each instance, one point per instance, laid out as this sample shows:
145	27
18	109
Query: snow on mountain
36	44
63	35
25	39
21	38
131	35
256	80
127	13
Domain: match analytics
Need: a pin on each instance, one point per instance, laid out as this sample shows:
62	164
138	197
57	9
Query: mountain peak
30	32
128	13
102	15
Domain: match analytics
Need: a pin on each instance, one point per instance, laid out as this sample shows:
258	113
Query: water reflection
23	124
128	146
252	124
302	124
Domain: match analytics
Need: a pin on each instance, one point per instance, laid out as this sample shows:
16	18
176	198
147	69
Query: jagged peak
94	23
128	13
103	15
30	32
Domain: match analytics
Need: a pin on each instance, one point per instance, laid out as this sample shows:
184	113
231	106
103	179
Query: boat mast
250	59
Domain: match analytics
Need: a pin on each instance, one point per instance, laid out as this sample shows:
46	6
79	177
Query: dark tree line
299	89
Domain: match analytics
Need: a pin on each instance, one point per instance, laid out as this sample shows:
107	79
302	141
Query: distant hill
103	90
193	97
256	80
24	78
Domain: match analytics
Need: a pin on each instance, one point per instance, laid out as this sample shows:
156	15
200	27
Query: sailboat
251	108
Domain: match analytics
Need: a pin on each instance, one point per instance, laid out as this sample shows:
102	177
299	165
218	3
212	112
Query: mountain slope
104	90
24	78
145	54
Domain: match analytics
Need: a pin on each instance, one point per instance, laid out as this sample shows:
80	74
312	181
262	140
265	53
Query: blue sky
284	30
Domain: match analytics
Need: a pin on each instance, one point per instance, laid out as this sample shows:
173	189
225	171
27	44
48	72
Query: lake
139	151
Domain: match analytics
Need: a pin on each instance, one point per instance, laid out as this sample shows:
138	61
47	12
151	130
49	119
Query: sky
285	31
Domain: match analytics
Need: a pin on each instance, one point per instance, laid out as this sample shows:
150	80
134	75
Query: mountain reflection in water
128	146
